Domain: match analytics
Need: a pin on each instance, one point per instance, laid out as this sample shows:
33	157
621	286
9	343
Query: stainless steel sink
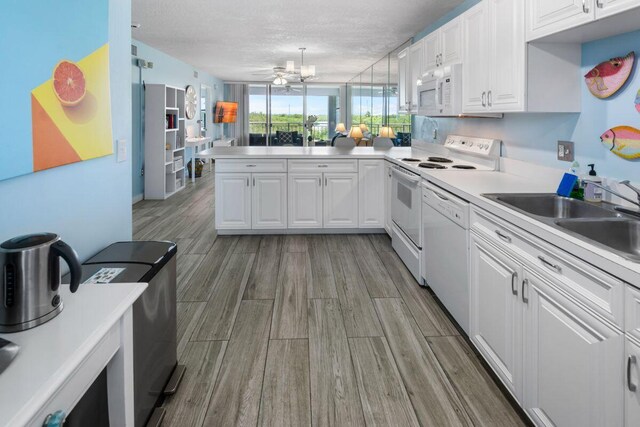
621	235
553	206
599	224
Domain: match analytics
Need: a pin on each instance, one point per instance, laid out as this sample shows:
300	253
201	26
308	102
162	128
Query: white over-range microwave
440	92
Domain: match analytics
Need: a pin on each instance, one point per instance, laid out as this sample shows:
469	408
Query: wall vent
195	74
134	50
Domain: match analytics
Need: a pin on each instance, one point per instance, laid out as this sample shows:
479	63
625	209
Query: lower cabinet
496	312
340	200
269	200
632	383
233	201
251	201
387	197
305	200
560	358
371	193
572	360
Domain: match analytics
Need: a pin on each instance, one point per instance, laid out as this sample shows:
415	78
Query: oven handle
398	172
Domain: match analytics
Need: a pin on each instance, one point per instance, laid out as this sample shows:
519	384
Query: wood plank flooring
317	330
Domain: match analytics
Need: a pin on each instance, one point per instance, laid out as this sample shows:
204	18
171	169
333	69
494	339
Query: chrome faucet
625	183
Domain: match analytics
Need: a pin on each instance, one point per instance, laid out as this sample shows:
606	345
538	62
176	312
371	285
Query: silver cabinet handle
247	182
325	181
489	100
484	94
631	360
525	283
323	166
389	172
514	279
550	265
585	8
503	236
251	166
599	4
319	182
254	182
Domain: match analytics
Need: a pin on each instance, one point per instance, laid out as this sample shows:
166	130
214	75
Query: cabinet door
340	200
430	52
451	42
573	369
495	324
415	63
403	74
632	383
546	17
387	197
475	79
269	200
305	200
612	7
233	201
507	56
371	183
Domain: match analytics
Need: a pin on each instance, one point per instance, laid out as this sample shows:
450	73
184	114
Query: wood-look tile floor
322	330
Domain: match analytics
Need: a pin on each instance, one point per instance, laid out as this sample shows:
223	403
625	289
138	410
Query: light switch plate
121	150
565	151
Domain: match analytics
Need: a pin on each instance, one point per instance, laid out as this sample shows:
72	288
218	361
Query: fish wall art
623	141
608	77
638	101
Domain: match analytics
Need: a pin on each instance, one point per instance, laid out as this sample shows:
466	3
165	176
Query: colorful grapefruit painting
68	83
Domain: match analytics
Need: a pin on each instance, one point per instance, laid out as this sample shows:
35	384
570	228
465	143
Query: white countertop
51	351
469	185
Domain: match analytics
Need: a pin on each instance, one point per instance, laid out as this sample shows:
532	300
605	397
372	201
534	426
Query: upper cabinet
403	67
409	74
547	17
502	73
442	47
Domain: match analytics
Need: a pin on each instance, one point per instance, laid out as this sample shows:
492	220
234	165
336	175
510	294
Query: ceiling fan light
280	81
312	70
290	68
304	71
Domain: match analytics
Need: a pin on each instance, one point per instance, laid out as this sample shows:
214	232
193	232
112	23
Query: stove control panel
477	146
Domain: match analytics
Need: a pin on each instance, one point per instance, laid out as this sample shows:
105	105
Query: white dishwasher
445	250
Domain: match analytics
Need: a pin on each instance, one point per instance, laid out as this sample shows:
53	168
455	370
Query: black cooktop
431	166
440	160
463	167
410	159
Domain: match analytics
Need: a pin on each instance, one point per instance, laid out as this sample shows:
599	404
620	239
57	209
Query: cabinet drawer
632	312
593	287
249	165
323	166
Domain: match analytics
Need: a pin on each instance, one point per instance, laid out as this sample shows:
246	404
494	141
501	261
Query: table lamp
387	132
340	128
356	134
364	128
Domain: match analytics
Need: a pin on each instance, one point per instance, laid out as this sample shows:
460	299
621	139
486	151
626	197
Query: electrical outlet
121	150
565	151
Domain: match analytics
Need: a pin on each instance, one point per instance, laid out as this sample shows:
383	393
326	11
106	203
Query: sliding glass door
293	114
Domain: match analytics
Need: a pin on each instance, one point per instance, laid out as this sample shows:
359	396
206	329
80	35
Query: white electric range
461	154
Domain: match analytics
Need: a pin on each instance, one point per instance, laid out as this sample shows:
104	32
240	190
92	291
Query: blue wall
533	137
170	71
87	203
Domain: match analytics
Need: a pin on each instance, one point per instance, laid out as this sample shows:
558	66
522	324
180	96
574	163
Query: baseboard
304	231
137	199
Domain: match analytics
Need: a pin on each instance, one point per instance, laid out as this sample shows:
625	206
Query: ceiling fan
283	75
285	90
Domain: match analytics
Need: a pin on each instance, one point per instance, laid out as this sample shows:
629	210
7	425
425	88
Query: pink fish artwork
623	141
638	101
608	77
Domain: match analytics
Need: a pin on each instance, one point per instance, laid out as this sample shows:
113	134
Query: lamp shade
387	132
364	127
290	68
340	127
356	132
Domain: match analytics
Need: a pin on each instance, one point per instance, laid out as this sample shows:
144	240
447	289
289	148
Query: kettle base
19	327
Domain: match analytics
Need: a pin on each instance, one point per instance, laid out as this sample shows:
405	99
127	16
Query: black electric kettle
30	279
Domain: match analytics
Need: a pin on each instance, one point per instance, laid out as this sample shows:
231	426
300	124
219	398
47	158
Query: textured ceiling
235	39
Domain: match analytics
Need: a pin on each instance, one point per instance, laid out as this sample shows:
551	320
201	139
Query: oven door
406	204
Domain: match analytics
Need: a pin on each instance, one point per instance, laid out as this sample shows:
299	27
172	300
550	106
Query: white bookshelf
164	159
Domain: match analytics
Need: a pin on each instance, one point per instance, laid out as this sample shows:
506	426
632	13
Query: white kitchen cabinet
305	200
415	75
632	383
606	8
572	372
269	200
507	56
475	72
551	16
502	73
496	312
430	52
387	196
442	47
340	200
403	79
233	201
371	193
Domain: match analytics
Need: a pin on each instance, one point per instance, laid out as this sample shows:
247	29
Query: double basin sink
598	223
